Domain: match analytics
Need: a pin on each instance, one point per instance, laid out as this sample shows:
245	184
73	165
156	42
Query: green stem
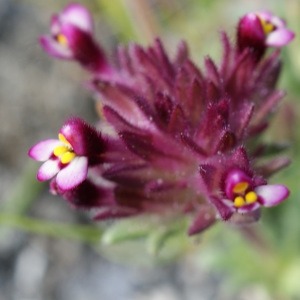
142	20
26	190
82	233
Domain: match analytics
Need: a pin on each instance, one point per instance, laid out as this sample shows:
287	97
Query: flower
78	146
178	140
262	29
243	196
72	38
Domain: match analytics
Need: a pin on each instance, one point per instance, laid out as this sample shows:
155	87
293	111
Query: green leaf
25	192
290	280
158	237
129	229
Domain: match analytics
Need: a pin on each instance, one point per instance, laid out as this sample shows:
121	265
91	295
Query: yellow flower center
267	26
239	201
62	39
64	152
251	197
240	187
243	196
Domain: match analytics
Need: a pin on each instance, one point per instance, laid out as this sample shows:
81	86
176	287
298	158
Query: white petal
43	150
79	16
248	208
272	194
55	49
73	174
48	170
278	22
279	37
228	202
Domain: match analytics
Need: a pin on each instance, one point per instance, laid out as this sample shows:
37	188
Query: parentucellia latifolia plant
173	140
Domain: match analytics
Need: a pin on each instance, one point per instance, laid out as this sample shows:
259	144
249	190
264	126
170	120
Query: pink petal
43	150
265	15
234	177
248	208
278	22
73	174
55	25
79	16
48	170
272	194
270	18
53	48
279	37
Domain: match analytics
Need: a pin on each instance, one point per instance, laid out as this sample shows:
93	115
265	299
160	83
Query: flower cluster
172	138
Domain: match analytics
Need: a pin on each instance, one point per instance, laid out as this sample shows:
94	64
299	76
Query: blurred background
49	251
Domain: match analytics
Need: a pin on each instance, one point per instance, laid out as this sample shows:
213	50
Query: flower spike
175	140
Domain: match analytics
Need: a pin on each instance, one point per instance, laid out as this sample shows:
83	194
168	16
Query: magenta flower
72	38
178	140
243	196
277	35
78	146
260	30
